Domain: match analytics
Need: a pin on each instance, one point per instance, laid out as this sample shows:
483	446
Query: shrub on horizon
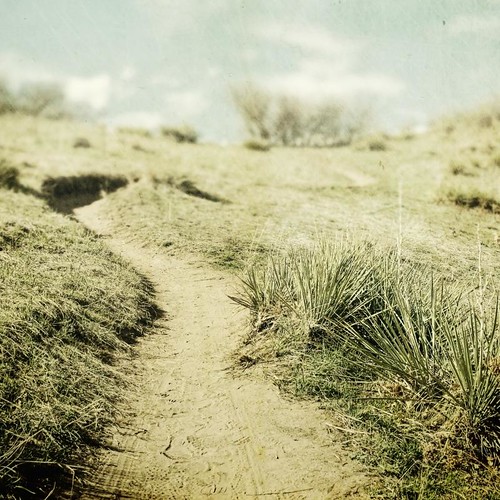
257	145
183	133
377	145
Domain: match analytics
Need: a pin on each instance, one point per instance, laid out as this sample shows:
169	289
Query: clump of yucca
399	324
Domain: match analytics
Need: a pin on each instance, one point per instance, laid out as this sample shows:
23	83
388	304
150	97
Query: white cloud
128	73
314	86
19	70
94	91
169	18
317	79
165	81
311	39
186	104
480	25
125	86
213	72
326	66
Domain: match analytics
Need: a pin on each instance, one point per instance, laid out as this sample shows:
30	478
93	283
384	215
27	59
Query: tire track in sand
192	430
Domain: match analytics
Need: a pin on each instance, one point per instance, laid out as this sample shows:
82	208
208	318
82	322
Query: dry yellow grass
67	307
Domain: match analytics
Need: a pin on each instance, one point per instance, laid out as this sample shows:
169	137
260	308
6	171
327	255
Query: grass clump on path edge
67	306
411	362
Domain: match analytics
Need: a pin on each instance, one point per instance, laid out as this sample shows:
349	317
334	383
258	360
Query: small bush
449	129
257	145
287	120
475	199
480	190
485	121
407	135
460	168
43	99
181	134
142	149
64	194
9	175
496	160
81	142
377	145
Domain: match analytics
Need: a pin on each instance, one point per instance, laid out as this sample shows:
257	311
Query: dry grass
472	180
68	306
481	190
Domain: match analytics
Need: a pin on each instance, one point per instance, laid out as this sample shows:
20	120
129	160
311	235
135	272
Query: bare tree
254	105
43	99
323	125
288	124
356	121
288	121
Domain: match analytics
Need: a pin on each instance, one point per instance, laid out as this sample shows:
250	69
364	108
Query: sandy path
193	430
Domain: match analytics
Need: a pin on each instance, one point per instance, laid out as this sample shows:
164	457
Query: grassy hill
68	306
430	201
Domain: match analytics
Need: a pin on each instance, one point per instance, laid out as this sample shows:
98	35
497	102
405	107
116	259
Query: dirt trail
194	430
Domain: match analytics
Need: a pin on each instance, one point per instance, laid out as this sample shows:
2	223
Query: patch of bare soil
191	429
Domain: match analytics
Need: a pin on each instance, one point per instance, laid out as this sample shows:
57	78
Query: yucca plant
263	290
329	281
316	284
402	340
472	354
427	347
399	325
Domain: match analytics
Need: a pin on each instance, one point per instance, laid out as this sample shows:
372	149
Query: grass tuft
460	168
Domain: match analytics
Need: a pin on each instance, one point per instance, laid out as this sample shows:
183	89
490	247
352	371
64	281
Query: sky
152	62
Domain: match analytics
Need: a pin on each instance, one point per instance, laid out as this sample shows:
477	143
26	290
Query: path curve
192	429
